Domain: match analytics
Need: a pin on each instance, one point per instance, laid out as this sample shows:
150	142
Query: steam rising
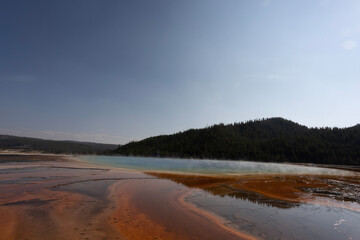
195	166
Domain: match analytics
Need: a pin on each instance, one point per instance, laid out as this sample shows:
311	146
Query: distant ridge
273	139
52	146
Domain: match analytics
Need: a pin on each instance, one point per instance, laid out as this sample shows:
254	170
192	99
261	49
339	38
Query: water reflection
282	191
279	207
307	221
225	187
252	197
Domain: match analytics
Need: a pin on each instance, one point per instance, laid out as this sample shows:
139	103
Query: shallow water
279	207
196	166
303	221
264	200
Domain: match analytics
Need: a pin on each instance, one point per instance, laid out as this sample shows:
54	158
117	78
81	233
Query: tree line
274	139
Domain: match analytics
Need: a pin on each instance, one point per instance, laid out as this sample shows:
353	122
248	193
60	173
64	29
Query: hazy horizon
63	136
117	71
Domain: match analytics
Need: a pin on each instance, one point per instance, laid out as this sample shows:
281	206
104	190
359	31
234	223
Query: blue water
197	166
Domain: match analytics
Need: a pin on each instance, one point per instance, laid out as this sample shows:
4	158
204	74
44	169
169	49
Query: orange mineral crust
338	191
49	198
155	209
65	199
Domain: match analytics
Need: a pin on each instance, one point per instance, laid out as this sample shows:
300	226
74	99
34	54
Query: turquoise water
197	166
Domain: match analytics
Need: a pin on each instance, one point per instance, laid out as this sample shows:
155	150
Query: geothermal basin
101	197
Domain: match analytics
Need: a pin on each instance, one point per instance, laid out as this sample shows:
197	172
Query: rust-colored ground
155	209
52	197
278	190
61	199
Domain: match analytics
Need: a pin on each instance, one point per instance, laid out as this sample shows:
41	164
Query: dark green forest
51	146
274	139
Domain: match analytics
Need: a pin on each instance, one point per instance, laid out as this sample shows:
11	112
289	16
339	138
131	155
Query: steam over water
196	166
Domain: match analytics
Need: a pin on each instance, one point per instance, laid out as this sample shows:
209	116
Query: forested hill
52	146
273	139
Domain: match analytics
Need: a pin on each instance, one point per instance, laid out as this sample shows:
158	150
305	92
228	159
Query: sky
116	71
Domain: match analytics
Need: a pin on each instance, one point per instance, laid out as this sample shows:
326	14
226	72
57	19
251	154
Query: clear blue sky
114	71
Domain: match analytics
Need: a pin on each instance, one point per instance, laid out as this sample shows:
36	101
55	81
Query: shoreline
273	187
191	222
350	168
121	204
212	217
72	188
